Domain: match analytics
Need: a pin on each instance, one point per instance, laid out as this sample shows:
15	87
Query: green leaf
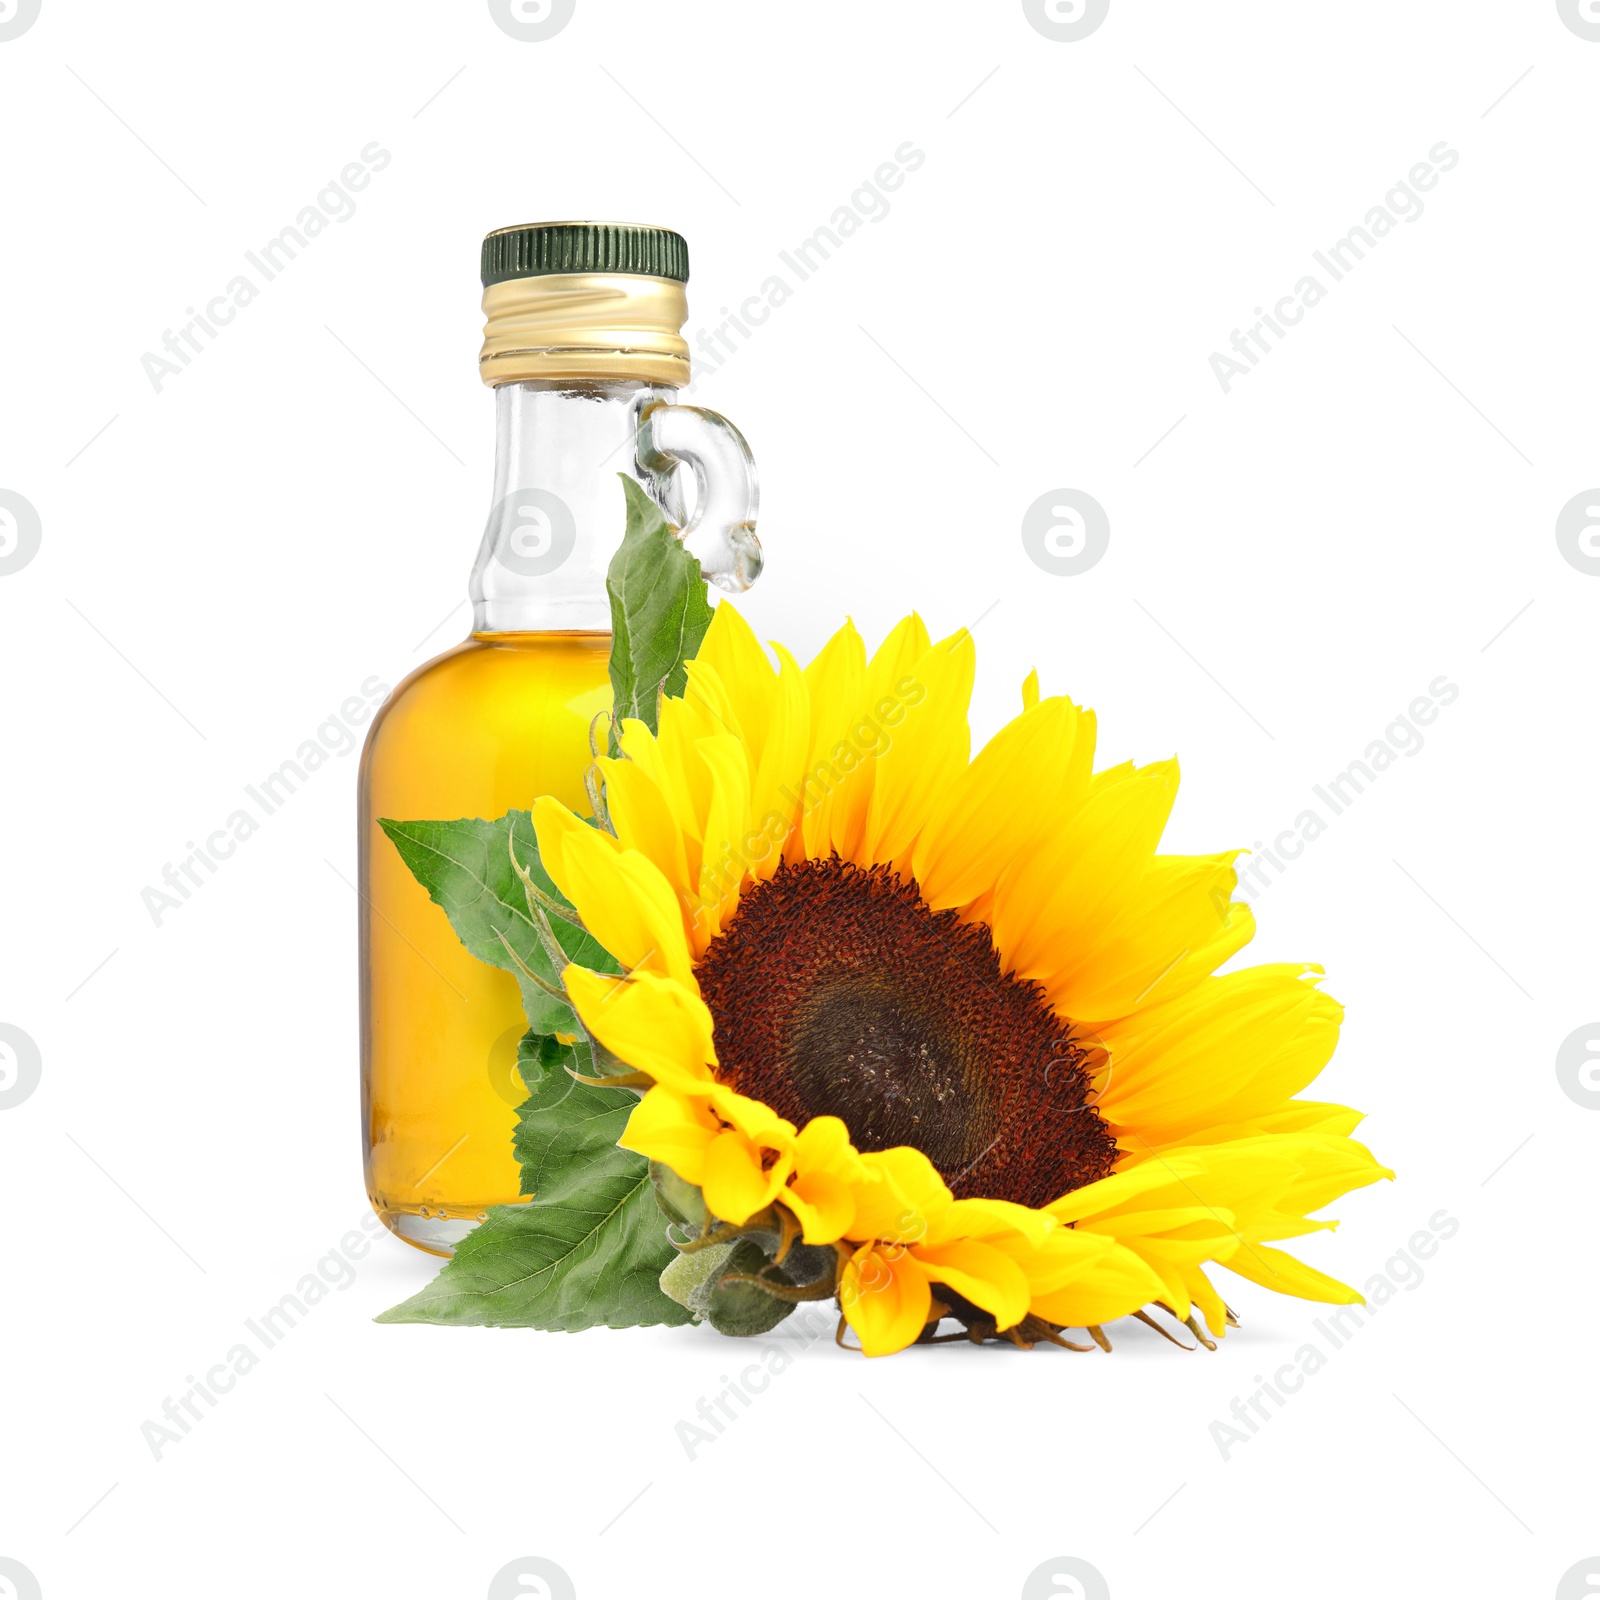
659	611
466	868
589	1248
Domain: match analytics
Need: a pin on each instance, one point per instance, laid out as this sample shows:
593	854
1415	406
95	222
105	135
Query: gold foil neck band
585	325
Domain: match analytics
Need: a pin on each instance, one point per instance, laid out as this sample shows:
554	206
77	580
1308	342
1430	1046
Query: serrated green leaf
466	868
589	1247
659	611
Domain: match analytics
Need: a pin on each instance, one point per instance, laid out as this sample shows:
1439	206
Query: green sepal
739	1309
680	1201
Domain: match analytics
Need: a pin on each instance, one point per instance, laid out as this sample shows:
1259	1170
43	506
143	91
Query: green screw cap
541	248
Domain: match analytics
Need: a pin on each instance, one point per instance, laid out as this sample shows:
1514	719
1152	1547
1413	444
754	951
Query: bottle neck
558	513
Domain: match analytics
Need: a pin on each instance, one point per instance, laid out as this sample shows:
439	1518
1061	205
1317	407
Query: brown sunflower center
836	991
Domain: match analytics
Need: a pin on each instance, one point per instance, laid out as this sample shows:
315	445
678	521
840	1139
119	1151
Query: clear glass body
492	724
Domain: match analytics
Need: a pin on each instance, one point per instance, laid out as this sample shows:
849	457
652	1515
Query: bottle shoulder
501	683
486	660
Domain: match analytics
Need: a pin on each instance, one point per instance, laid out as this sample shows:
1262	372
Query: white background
225	561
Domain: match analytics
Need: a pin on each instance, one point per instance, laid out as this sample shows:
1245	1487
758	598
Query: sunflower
956	1018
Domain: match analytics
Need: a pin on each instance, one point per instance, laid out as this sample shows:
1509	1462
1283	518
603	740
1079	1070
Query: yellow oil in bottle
483	729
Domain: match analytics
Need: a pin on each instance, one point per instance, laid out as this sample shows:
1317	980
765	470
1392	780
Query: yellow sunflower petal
705	706
1232	1179
672	1129
1055	899
823	1145
1230	1048
889	676
925	748
982	1274
644	822
823	1204
1310	1116
885	1297
901	1197
734	653
894	660
681	725
622	896
1063	1255
1329	1166
1179	1211
754	1118
979	826
1277	1269
1231	935
643	749
1179	904
833	690
775	797
653	1023
1205	1299
1112	1284
1293	1116
724	859
735	1179
996	1220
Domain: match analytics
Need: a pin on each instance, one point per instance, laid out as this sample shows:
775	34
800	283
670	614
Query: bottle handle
721	534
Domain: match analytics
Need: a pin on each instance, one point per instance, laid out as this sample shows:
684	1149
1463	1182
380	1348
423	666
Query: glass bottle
584	350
